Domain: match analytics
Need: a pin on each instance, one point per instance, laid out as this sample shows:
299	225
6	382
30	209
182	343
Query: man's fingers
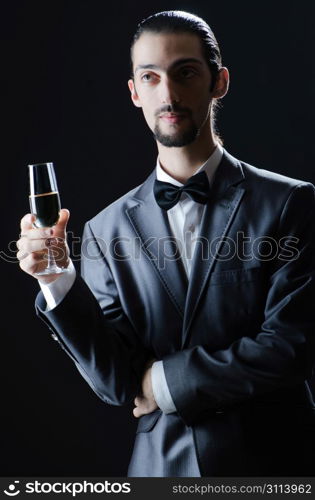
138	400
28	246
140	407
27	228
39	233
36	243
138	411
27	222
33	262
143	406
59	229
64	217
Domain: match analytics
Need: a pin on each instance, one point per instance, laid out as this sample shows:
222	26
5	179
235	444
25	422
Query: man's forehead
162	49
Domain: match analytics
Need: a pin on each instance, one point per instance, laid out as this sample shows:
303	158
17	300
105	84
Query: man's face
172	86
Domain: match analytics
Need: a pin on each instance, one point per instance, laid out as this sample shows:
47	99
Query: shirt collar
209	167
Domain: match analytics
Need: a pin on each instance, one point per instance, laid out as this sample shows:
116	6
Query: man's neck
182	163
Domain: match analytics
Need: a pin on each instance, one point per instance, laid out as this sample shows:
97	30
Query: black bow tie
197	187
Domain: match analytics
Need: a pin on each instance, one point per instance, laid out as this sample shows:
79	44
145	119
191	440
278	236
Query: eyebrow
173	66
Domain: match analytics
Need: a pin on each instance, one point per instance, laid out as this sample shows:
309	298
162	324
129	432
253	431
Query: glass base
52	270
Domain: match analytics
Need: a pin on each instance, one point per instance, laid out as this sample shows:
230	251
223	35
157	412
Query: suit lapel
152	227
219	212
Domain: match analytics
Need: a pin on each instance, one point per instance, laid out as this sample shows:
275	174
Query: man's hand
33	245
145	402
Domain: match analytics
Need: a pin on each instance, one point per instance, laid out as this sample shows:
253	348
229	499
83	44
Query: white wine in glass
45	205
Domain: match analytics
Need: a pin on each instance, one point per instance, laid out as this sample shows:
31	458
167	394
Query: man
197	289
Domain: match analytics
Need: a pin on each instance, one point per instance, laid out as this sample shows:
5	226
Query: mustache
171	108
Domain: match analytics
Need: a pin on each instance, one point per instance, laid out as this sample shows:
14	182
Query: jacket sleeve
91	326
282	353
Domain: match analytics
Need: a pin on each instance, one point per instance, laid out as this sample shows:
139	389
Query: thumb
64	215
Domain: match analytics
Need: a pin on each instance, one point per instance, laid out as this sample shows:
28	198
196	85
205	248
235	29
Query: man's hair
177	21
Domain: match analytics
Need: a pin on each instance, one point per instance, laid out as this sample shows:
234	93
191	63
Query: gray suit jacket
237	340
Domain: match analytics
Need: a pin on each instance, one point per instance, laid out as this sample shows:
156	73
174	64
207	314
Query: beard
178	139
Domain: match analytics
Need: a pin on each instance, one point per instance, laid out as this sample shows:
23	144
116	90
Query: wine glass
45	205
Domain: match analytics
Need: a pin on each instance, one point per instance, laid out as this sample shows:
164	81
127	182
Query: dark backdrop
64	98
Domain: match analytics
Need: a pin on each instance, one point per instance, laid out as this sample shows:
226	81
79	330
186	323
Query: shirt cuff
56	291
160	389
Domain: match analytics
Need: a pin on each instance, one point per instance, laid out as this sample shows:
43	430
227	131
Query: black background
64	98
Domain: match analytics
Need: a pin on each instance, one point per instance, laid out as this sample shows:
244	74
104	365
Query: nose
168	91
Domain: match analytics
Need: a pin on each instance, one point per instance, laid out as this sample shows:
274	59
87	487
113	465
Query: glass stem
50	259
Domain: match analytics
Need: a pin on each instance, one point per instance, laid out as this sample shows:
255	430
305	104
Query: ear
222	83
134	96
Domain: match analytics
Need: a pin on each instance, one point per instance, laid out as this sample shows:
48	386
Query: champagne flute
45	205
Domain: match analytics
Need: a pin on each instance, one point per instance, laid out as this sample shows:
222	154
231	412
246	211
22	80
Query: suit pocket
231	276
147	422
233	305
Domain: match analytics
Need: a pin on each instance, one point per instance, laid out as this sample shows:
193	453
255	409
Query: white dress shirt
185	221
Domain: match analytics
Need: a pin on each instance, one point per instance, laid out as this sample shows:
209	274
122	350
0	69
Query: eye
147	77
187	72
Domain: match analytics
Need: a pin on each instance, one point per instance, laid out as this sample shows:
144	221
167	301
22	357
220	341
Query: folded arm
281	354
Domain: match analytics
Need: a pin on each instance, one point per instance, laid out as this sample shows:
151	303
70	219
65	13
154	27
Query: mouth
172	117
